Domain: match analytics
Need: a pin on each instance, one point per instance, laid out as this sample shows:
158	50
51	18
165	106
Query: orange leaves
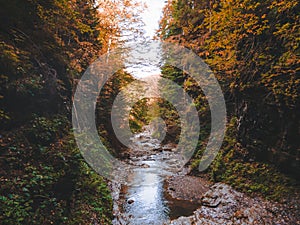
113	17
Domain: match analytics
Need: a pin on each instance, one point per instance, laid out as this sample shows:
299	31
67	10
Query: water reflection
146	190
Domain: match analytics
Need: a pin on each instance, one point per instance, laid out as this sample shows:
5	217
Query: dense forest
252	47
45	48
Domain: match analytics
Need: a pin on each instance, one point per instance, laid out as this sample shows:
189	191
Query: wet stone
130	201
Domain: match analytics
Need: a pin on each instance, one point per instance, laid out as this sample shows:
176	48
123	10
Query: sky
152	15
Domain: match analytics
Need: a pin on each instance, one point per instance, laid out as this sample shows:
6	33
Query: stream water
143	199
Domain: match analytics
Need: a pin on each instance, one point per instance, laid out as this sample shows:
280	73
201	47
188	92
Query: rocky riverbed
221	204
156	194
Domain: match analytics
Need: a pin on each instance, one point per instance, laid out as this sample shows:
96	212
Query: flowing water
143	199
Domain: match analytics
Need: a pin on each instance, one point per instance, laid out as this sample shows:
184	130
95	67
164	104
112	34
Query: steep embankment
253	50
45	47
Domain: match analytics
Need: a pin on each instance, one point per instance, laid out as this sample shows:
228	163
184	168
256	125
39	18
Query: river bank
221	204
155	194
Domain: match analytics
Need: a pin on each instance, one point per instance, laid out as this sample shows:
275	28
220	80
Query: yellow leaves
256	41
283	5
284	29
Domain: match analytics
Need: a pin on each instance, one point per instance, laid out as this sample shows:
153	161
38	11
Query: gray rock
222	205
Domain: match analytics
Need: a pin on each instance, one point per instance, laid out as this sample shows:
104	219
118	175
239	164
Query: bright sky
152	15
